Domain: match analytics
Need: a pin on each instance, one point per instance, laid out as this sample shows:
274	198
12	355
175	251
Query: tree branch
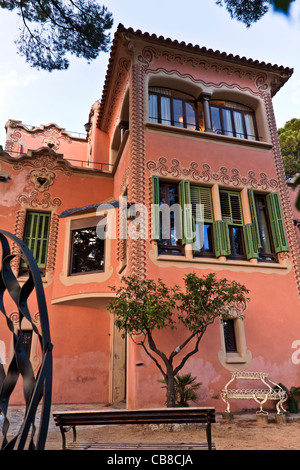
30	32
142	343
174	353
154	348
53	19
191	353
155	360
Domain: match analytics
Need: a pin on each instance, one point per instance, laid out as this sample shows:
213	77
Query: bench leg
227	403
279	407
261	402
63	432
208	435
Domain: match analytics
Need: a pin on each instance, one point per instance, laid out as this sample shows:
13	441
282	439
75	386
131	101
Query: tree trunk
171	400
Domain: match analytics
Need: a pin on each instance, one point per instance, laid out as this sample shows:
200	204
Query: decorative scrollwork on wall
37	388
207	175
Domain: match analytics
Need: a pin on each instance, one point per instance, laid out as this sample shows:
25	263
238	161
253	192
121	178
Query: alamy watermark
296	353
2	352
173	220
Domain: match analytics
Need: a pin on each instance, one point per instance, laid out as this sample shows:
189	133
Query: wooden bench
67	420
272	391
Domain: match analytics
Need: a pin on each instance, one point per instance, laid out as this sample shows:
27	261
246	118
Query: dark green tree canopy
250	11
289	137
53	28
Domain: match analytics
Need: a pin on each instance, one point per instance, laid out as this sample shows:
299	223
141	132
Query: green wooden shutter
277	223
186	207
36	236
231	207
250	241
254	217
221	238
155	209
202	195
231	210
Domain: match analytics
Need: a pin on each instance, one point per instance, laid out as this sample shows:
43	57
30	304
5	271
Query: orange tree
143	306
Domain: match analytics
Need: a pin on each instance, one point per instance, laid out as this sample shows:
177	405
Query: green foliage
297	183
143	306
289	137
251	11
185	389
246	11
206	298
53	28
282	5
293	393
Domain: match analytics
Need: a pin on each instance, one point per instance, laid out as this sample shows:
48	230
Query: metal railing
37	385
102	166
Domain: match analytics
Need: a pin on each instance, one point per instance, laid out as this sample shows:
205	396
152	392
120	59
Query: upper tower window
174	108
233	119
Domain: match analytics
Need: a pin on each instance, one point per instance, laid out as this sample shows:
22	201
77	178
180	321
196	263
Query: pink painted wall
80	324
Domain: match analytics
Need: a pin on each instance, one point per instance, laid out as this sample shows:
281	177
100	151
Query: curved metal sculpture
36	388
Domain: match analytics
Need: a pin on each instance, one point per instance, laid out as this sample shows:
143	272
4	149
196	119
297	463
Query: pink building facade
172	116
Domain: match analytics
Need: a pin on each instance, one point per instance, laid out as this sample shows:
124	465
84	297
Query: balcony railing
102	166
92	165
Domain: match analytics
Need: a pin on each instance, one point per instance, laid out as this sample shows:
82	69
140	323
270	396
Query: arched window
233	119
174	108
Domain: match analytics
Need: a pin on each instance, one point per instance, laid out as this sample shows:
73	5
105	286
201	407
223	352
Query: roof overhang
280	73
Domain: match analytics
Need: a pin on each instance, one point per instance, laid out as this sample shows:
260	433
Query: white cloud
12	81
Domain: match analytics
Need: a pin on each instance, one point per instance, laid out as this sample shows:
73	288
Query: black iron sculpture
37	388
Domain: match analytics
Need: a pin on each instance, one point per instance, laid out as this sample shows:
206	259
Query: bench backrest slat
147	416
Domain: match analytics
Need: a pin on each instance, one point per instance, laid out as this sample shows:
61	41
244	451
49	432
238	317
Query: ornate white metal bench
272	392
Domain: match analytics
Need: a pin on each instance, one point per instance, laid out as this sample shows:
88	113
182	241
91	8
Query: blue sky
65	97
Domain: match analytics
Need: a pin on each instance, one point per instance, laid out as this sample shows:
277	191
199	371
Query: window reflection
233	119
87	251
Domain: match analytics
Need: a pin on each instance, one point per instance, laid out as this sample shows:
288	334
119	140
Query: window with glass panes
87	249
193	222
233	119
269	227
36	237
203	219
27	340
229	335
174	108
170	239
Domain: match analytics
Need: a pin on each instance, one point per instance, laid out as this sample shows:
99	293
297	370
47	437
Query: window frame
27	340
264	255
204	196
23	269
169	249
230	335
234	132
232	224
233	359
82	224
172	122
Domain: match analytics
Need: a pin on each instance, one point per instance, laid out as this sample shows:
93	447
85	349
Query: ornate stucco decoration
44	168
150	53
52	136
32	201
118	85
44	202
42	179
207	175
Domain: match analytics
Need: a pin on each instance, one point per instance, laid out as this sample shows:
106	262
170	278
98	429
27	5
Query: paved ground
243	433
